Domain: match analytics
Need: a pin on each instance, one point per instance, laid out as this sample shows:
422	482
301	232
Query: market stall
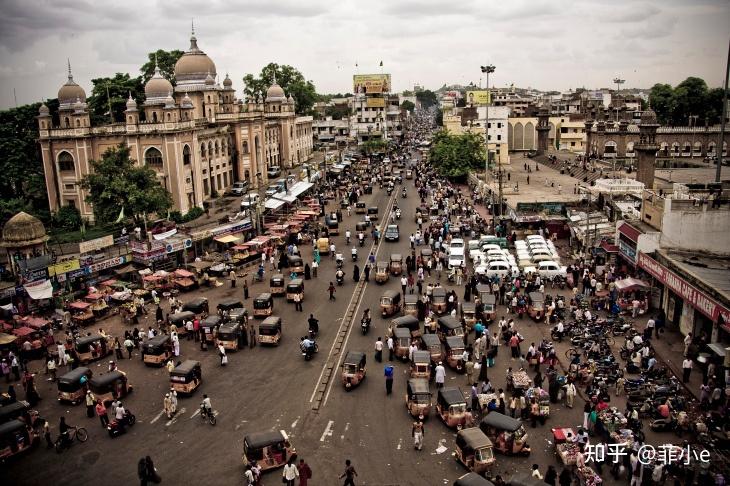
184	280
630	289
521	380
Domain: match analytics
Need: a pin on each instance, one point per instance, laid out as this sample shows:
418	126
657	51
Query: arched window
153	158
687	147
65	162
66	122
186	155
210	149
203	153
210	113
154	117
675	148
217	148
244	148
78	122
168	117
208	98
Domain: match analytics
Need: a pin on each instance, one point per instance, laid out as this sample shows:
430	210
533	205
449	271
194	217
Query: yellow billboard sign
478	97
375	102
371	83
63	267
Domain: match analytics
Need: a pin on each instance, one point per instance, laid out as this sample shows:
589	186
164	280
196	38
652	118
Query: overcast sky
545	44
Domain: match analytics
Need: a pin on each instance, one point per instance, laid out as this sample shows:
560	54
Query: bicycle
206	416
78	433
573	352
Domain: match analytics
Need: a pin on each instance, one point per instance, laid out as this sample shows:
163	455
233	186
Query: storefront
628	239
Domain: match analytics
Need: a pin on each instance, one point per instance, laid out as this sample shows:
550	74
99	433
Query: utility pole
109	102
722	122
488	69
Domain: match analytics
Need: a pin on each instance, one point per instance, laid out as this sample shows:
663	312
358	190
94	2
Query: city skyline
644	43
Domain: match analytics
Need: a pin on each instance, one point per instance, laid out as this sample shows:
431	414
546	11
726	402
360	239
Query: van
239	188
250	200
273	171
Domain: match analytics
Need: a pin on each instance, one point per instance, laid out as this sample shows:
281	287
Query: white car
500	268
457	244
456	260
490	246
251	199
542	256
477	256
550	269
520	244
530	238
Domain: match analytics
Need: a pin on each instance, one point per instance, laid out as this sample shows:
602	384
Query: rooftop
711	270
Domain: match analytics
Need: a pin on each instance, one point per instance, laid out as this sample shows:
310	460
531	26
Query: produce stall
521	380
543	400
587	476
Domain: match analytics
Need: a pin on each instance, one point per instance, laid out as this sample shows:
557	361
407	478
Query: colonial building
197	136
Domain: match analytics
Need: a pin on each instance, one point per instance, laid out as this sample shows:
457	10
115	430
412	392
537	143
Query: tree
408	105
289	78
374	146
119	88
427	98
439	117
661	99
408	92
691	97
454	156
166	60
115	182
337	112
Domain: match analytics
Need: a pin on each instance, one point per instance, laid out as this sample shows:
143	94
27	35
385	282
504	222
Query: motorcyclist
560	330
354	253
347	237
361	238
366	319
340	276
313	325
206	405
120	416
307	346
63	429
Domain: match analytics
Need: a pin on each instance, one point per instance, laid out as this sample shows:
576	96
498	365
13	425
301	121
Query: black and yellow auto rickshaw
451	407
401	342
390	303
361	227
536	308
489	307
263	305
296	264
483	290
449	326
373	213
156	351
406	322
333	226
209	327
420	364
438	300
227	305
270	331
197	306
277	284
381	272
474	450
426	256
178	319
472	479
186	377
454	349
92	348
469	313
109	386
293	288
507	433
231	336
353	369
72	386
418	397
410	305
361	207
396	263
15	438
432	344
269	450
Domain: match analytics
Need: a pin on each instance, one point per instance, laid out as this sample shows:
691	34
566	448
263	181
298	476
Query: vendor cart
565	448
98	305
587	476
520	380
81	313
543	400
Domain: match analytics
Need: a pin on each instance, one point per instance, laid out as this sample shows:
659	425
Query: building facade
474	119
197	136
566	133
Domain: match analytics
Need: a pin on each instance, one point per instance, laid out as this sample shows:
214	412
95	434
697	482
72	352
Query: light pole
488	69
618	82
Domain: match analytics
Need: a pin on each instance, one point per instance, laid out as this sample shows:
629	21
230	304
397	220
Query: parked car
273	171
251	199
392	233
239	188
550	269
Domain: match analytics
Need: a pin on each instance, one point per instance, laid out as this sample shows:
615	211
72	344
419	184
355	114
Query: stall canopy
227	239
630	284
272	203
300	188
39	290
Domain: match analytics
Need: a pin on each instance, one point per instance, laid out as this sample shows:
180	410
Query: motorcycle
403	194
664	424
308	351
74	434
390	190
340	277
365	324
354	254
397	213
118	427
557	336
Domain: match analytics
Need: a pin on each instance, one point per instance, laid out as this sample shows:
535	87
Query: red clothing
196	324
305	473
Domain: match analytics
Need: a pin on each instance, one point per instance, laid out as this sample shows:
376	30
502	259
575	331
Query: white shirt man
119	413
440	375
561	328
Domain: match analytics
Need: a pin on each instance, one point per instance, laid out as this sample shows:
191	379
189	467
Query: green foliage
119	88
408	105
454	156
374	146
337	112
166	60
115	183
408	92
289	78
67	218
427	98
194	213
329	97
22	185
691	97
440	118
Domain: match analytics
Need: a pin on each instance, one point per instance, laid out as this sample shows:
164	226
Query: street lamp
618	82
488	69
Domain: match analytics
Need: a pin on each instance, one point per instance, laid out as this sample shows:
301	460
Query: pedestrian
101	413
129	344
222	354
152	471
391	348
315	266
297	302
566	477
469	369
331	290
418	431
687	343
475	397
570	392
50	367
305	472
245	289
251	335
379	350
290	473
366	272
349	474
686	369
47	435
90	404
551	475
440	375
587	408
388	379
167	406
118	348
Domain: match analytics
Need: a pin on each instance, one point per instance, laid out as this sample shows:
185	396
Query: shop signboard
627	250
371	83
110	263
96	244
373	102
689	293
63	267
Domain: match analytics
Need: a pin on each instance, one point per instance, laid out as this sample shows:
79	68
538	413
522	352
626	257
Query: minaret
646	148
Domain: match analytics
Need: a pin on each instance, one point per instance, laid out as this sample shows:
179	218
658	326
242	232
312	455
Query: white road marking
195	414
400	444
327	430
294	424
175	417
157	417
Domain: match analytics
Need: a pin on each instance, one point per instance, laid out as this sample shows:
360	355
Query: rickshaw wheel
81	434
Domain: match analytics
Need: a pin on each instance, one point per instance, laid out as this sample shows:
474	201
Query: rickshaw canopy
408	322
439	292
87	340
449	323
272	323
259	440
180	317
401	333
429	340
70	378
501	422
474	438
106	379
418	386
156	343
277	280
454	342
537	297
421	357
185	368
451	396
354	358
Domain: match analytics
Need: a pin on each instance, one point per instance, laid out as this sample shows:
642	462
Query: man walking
331	290
686	369
440	375
570	392
349	474
388	379
297	303
379	350
391	348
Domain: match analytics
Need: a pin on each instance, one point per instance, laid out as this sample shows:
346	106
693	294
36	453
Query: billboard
478	97
371	83
375	102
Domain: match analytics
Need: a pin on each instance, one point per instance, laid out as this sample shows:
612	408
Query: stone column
543	130
646	149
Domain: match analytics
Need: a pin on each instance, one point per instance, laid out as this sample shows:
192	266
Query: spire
193	39
192	27
274	77
70	76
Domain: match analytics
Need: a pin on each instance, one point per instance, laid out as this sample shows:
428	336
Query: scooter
354	254
340	277
664	424
397	213
308	351
365	324
403	194
118	427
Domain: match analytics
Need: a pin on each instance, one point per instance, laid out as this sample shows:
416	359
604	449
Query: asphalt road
272	387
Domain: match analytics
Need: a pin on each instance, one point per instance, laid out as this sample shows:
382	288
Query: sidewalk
669	349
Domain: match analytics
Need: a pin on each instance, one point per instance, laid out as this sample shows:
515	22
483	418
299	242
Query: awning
166	234
284	197
629	232
608	247
183	273
39	290
125	269
273	203
629	284
300	188
227	239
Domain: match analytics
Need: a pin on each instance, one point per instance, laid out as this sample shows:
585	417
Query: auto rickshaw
432	344
474	450
72	386
333	226
451	407
361	227
230	336
270	331
454	346
361	207
409	174
420	365
15	437
293	288
373	213
483	290
469	313
449	326
109	386
410	305
418	397
536	309
178	319
277	284
227	305
472	479
270	449
92	348
426	256
209	326
381	272
353	369
489	307
406	322
390	303
197	306
402	342
296	264
507	433
186	377
157	350
438	300
323	246
263	305
396	264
